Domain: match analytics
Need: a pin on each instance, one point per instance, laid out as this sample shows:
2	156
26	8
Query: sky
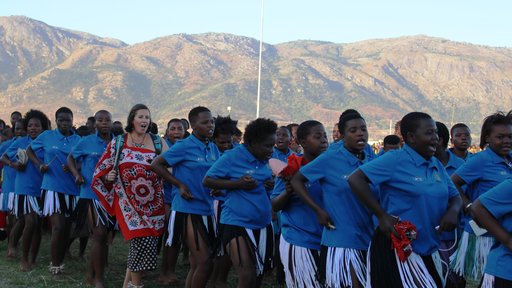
340	21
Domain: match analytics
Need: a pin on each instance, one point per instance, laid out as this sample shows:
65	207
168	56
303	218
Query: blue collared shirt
368	151
56	149
498	202
246	208
414	189
28	181
190	159
482	172
353	221
9	174
88	151
278	154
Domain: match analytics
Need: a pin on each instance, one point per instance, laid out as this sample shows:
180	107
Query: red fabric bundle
402	245
294	164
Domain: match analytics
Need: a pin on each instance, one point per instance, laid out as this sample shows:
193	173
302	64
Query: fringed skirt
301	265
6	201
471	256
386	270
58	203
490	281
100	215
26	204
261	241
203	225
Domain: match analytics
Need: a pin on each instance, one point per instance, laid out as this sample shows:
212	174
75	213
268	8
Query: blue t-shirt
246	208
498	201
368	151
278	154
56	148
482	172
414	189
190	159
454	162
88	151
353	221
299	225
9	174
28	181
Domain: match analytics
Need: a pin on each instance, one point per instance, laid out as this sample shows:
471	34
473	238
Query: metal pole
259	64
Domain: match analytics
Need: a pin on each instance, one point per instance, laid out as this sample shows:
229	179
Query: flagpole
259	64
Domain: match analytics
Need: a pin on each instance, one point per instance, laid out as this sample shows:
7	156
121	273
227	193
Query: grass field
74	275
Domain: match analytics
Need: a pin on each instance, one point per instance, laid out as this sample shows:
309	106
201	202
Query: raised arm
159	166
489	222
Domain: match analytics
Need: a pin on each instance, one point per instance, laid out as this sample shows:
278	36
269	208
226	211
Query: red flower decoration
402	245
294	164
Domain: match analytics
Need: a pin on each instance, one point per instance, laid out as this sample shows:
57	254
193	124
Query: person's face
262	150
424	140
34	127
103	123
64	122
14	118
283	139
500	139
175	131
355	135
19	129
336	133
389	147
316	141
461	138
224	142
204	125
141	121
91	125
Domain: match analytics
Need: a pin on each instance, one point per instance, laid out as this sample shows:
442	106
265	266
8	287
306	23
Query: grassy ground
74	276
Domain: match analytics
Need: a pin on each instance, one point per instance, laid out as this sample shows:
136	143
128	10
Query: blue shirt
368	151
28	181
482	172
190	159
9	174
299	225
278	154
414	189
353	221
454	162
88	151
498	202
56	148
246	208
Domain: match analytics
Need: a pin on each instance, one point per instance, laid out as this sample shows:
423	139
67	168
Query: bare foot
169	279
25	266
11	254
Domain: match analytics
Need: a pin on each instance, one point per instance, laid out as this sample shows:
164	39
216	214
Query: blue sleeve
315	170
12	150
220	169
279	187
3	148
380	170
470	171
78	150
38	143
452	190
498	201
176	154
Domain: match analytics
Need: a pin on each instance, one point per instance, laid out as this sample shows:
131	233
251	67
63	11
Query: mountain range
46	67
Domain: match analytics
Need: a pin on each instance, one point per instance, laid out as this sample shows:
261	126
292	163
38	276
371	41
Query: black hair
194	113
257	130
16	113
238	132
92	119
458	125
224	126
347	117
288	130
290	127
391	139
498	118
2	122
83	131
305	129
347	112
443	133
38	115
174	120
63	110
185	122
411	122
131	116
99	112
117	122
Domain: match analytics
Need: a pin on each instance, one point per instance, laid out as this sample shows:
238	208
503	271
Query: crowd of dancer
418	213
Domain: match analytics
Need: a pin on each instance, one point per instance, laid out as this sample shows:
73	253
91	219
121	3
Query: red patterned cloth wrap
294	164
408	233
136	197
